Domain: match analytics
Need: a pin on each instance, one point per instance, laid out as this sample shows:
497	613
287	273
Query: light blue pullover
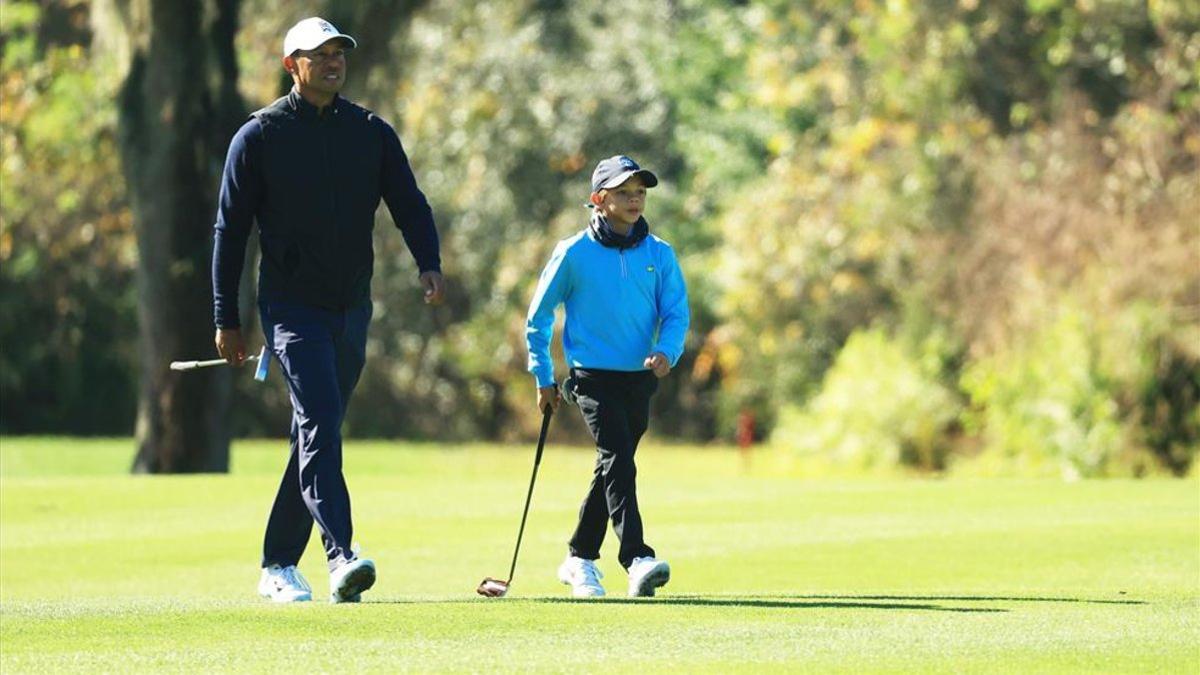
622	305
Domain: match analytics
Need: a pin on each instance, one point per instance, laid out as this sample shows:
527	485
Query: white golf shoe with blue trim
284	584
348	581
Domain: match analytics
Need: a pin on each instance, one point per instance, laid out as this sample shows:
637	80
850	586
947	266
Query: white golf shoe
349	580
284	584
582	576
647	574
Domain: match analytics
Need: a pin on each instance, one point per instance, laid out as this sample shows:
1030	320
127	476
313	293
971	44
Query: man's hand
547	396
659	363
434	287
231	346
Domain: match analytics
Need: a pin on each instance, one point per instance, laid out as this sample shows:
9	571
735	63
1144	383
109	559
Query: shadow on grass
775	602
956	598
755	602
892	602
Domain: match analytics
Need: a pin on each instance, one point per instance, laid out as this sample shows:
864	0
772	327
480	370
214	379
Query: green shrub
878	408
1051	403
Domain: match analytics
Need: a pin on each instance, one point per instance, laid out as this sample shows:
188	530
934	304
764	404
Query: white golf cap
312	33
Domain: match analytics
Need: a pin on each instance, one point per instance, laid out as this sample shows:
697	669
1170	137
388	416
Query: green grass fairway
102	571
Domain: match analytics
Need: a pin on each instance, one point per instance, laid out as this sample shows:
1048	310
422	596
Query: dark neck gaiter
607	236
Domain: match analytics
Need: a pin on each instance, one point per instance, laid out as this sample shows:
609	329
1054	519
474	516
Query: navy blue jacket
313	182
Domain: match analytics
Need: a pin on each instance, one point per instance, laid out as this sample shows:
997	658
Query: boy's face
624	204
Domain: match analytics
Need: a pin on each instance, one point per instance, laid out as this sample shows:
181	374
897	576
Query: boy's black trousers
616	406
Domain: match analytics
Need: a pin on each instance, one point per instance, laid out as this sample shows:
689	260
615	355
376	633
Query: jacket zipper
624	271
324	121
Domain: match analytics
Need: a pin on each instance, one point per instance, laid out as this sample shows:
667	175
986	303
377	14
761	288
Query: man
311	168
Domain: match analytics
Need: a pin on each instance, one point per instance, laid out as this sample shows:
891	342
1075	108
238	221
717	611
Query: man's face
624	203
321	70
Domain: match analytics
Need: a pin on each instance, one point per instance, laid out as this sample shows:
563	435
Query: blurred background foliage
948	235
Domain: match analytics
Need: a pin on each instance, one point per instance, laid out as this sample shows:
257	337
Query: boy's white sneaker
350	579
582	576
647	574
284	584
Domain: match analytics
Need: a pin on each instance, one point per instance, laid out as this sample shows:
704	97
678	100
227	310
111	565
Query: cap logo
627	163
326	27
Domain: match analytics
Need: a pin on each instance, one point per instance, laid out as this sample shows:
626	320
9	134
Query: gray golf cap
312	33
616	170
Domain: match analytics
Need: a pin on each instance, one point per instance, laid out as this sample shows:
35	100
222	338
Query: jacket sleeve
241	189
407	204
553	287
673	313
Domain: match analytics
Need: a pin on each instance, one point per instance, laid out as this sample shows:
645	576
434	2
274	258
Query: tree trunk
178	108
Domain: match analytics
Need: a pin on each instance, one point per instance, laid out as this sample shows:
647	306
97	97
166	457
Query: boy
626	316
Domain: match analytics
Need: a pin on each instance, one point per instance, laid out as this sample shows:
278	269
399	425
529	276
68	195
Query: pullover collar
306	110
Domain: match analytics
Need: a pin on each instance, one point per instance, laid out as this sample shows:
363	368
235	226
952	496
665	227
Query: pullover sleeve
673	312
241	189
407	204
553	287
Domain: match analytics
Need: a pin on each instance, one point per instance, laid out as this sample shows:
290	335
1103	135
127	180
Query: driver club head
492	588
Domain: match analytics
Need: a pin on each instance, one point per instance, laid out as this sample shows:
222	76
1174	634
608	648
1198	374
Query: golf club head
264	364
492	588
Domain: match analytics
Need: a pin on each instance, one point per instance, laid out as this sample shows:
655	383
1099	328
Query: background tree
178	106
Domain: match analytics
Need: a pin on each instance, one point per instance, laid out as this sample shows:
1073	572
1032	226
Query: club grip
192	365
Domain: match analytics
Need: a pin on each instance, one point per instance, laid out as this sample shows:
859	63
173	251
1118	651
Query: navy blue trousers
321	353
616	408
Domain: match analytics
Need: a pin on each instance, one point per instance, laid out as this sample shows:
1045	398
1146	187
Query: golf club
260	373
495	588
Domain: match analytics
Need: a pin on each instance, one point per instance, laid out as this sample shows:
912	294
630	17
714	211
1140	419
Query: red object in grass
745	429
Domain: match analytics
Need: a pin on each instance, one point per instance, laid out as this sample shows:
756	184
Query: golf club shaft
191	365
536	461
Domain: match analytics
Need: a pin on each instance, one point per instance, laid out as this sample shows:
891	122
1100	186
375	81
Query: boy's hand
659	363
547	396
